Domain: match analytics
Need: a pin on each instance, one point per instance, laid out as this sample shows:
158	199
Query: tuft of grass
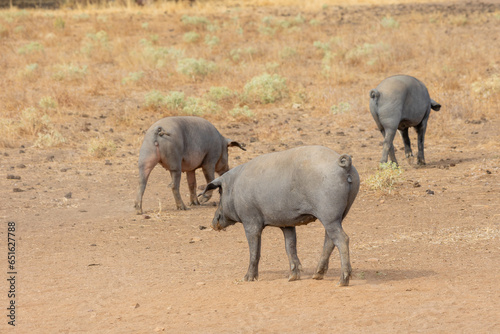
195	68
386	178
50	138
389	22
30	48
487	88
133	77
341	108
217	94
199	107
175	101
288	53
47	103
101	148
59	23
69	72
211	40
266	88
32	122
158	56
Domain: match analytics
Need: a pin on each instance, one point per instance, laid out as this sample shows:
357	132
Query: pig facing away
287	189
400	102
183	144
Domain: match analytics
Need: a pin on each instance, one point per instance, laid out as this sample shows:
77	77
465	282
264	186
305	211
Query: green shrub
198	21
288	53
266	88
217	94
195	68
175	101
242	111
199	107
33	122
154	99
386	178
191	37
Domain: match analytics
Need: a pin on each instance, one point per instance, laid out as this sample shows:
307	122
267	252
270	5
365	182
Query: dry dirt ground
425	258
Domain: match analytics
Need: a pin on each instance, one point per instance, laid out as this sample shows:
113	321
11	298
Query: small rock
21	166
373	259
108	163
340	133
13	177
6	154
147	217
159	329
382	201
68	195
50	158
194	239
253	139
488	171
21	151
200	283
416	184
429	192
64	170
201	227
137	305
327	132
17	190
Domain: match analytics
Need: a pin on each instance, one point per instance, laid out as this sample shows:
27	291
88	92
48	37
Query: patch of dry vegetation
123	66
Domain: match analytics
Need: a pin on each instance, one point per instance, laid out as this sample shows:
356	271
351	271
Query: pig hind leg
388	148
176	182
421	128
191	179
291	250
406	141
340	239
322	268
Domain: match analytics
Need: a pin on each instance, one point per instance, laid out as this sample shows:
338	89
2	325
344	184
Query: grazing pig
400	102
287	189
183	144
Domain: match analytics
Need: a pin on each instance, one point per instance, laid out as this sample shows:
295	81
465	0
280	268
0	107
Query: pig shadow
370	276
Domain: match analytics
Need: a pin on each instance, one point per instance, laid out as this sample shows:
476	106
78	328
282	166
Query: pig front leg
253	234
191	179
291	250
209	172
176	182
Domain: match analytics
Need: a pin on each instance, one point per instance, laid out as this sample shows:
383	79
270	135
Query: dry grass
80	64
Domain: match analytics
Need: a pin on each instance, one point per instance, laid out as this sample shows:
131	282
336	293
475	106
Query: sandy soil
425	258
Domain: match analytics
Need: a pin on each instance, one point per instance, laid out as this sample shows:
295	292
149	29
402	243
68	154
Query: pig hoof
294	276
250	278
182	207
421	162
194	202
344	279
318	276
205	199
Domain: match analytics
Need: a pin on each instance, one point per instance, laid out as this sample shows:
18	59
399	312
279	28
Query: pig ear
235	143
217	183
